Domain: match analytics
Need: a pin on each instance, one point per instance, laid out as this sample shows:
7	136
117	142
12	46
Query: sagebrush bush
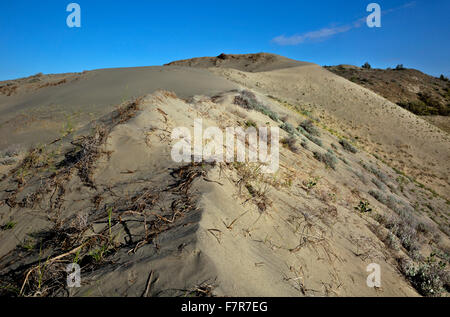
391	241
309	127
288	128
291	143
247	100
327	158
312	138
429	278
347	146
378	183
305	145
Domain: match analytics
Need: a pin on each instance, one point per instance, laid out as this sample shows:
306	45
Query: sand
142	224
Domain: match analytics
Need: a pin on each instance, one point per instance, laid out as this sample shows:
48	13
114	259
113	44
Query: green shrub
363	206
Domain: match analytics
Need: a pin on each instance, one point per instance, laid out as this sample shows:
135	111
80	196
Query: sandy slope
305	243
37	115
109	197
404	140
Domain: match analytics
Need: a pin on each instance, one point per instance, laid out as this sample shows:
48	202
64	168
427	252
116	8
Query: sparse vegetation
9	225
291	143
311	183
364	206
312	138
327	158
309	127
247	100
347	146
430	278
286	126
250	123
432	99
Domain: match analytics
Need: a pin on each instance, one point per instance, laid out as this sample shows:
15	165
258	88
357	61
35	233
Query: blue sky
35	38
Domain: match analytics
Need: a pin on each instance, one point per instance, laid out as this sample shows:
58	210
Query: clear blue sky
35	38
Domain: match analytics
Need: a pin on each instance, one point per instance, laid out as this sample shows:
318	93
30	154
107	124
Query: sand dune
399	137
108	196
36	115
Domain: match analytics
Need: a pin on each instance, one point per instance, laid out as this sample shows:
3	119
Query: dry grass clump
54	84
86	153
125	113
251	177
68	242
9	89
406	232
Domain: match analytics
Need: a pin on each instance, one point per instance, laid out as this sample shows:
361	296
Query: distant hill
411	89
260	62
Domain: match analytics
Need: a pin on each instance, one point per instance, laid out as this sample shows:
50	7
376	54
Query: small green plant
366	66
9	225
99	254
110	223
77	257
28	245
364	206
250	123
310	184
67	127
